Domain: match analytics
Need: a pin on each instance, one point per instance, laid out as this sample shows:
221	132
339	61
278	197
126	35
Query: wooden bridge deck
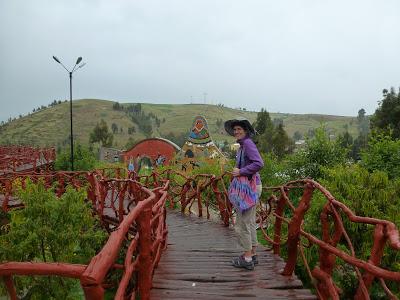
196	265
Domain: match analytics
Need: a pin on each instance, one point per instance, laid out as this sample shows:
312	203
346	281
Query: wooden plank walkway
197	265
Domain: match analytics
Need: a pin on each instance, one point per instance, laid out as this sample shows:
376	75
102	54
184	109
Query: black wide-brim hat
242	122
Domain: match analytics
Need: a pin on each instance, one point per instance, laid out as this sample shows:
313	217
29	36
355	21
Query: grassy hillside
50	126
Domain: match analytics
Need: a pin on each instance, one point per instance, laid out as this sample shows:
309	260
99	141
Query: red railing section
130	212
386	235
18	158
210	192
135	207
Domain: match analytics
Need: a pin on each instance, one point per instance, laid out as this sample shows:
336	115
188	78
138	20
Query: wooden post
145	260
278	224
294	229
375	259
10	287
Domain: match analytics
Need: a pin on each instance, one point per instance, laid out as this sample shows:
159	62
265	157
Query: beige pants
246	226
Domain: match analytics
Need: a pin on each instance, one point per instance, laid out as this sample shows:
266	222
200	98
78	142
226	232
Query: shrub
49	229
319	152
84	159
366	194
383	153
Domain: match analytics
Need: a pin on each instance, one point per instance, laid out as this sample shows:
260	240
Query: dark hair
241	124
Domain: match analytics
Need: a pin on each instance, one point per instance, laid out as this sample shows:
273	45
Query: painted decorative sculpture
199	147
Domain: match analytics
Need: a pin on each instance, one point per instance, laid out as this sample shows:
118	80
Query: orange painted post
10	287
375	259
199	204
145	260
294	229
93	292
278	224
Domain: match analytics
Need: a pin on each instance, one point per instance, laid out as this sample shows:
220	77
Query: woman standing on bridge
248	163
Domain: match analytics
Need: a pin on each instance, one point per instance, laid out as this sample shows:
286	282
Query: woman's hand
236	172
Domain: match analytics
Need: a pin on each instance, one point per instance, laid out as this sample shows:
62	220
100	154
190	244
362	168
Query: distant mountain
50	126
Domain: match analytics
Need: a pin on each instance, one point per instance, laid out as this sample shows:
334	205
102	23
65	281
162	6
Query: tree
361	115
277	121
311	133
297	136
387	115
359	144
130	143
219	123
101	135
281	143
363	122
179	140
131	130
265	129
383	154
369	194
319	152
50	229
345	140
114	128
84	159
263	122
117	106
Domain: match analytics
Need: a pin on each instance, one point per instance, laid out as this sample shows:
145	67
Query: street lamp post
75	68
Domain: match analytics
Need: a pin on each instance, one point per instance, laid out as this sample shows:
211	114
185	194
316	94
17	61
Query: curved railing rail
187	190
386	235
132	214
20	158
58	180
208	192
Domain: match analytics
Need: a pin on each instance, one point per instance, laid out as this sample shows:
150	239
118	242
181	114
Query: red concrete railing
19	158
125	206
386	235
58	179
146	209
186	191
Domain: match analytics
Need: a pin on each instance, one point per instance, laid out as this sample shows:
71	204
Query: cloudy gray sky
305	56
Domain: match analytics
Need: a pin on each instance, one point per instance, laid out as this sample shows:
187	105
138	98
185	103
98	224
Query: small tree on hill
114	128
281	143
84	159
387	115
100	134
263	122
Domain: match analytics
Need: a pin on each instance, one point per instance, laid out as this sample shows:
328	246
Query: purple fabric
251	160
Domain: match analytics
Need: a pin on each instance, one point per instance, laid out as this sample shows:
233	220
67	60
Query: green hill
50	126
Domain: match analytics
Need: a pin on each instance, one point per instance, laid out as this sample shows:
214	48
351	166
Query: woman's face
239	132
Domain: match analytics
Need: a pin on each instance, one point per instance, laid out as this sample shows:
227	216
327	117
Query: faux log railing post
199	205
375	259
325	284
183	200
145	260
10	287
278	224
294	229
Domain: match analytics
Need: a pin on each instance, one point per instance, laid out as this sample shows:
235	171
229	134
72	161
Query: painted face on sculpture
199	125
239	132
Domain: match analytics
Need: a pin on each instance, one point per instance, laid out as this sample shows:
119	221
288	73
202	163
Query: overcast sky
309	56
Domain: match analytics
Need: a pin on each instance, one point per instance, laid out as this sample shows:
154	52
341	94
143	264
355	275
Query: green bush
366	194
319	152
274	172
383	153
50	229
84	159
